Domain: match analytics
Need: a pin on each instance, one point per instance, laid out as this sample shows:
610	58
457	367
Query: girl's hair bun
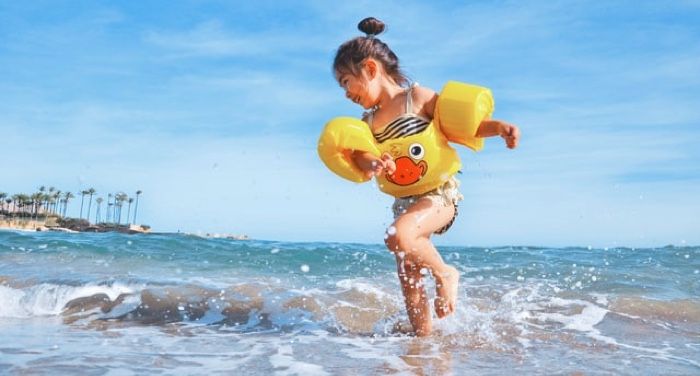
371	26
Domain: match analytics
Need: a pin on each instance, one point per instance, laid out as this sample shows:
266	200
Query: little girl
369	72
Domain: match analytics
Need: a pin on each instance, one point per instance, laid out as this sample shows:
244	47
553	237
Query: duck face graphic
410	168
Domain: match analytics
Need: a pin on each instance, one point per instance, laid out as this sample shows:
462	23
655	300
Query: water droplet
274	250
391	230
594	278
304	268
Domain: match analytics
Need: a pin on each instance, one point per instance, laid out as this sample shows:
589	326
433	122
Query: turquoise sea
113	304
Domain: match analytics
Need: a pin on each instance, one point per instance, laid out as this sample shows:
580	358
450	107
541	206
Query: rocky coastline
71	225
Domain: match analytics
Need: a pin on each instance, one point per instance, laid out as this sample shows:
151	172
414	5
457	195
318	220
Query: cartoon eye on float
416	151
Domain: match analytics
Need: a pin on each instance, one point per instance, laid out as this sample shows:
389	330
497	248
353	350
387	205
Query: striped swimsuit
406	124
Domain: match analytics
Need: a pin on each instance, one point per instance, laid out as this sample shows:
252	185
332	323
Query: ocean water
102	304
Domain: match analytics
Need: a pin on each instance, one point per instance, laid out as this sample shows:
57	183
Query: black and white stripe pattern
403	126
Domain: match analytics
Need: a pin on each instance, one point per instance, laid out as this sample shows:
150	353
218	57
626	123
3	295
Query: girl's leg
410	240
415	298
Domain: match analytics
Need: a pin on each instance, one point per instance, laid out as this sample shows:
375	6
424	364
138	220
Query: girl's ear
371	67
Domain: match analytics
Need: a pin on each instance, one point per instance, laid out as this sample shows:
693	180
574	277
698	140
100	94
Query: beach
21	224
110	303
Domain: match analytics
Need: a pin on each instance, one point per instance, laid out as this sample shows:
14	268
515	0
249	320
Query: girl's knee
400	240
391	242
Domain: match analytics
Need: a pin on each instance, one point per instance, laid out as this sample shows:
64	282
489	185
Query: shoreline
40	226
31	225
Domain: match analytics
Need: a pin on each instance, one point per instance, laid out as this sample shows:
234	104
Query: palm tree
42	190
45	201
120	198
26	204
56	201
109	208
91	192
51	191
15	202
2	201
37	199
99	209
138	193
82	200
50	201
66	197
129	211
8	201
23	203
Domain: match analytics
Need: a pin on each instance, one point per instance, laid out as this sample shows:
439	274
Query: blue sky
213	109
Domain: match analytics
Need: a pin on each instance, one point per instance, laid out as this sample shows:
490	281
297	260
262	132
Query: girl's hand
373	166
511	134
389	164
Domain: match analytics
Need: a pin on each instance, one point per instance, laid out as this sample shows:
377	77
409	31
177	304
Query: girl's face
361	89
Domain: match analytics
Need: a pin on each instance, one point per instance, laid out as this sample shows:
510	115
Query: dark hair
351	54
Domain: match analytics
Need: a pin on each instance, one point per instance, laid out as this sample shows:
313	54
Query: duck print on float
409	169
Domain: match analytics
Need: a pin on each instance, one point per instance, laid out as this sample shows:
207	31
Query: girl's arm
371	165
509	132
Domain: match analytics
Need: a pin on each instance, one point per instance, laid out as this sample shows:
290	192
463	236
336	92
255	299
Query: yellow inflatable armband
459	111
340	137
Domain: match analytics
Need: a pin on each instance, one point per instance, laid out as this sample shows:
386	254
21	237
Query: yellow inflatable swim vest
424	161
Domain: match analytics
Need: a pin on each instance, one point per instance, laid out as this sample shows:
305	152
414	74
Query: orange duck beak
407	171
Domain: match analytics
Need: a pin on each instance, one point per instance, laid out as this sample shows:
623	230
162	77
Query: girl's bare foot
446	284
